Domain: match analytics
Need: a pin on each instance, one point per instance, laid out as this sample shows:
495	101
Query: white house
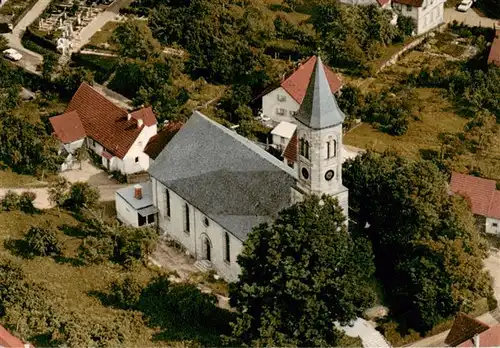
281	135
283	102
211	186
483	198
134	205
428	14
119	137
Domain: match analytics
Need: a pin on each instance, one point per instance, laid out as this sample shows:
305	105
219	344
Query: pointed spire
319	108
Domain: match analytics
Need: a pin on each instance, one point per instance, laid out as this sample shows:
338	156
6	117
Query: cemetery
63	21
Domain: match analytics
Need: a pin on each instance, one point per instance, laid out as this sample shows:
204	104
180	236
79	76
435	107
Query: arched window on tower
306	149
334	148
328	154
302	152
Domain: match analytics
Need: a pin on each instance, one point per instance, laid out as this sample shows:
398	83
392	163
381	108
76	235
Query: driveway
94	176
30	59
470	18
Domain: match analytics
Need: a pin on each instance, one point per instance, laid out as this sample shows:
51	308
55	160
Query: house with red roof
118	136
494	56
483	198
7	340
284	101
470	332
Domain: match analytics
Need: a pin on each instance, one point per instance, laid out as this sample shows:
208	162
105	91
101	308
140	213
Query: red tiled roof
479	191
494	56
157	143
105	122
146	115
107	155
68	127
464	328
296	84
488	338
415	3
7	340
383	2
290	152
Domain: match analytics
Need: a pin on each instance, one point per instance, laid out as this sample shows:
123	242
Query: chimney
137	191
129	116
475	340
140	122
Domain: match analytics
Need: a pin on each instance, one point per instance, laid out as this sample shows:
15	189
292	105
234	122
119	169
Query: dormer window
281	98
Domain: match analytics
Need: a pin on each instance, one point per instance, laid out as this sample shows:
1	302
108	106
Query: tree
82	154
49	64
299	276
96	250
134	243
82	195
427	249
4	43
293	3
70	79
135	40
42	241
58	191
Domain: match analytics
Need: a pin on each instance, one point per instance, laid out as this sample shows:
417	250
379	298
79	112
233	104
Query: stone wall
393	60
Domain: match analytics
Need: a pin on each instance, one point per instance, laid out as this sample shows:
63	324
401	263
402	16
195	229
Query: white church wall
194	241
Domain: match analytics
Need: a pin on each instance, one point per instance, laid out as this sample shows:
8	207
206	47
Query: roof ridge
86	85
248	143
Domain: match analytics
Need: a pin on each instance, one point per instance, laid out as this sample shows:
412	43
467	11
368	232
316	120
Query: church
211	186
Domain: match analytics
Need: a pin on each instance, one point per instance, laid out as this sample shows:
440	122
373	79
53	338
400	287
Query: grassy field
436	114
103	36
9	179
77	288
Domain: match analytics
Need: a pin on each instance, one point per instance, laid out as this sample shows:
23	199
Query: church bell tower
319	134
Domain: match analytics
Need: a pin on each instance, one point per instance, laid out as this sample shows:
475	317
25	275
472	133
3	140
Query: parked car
12	54
465	5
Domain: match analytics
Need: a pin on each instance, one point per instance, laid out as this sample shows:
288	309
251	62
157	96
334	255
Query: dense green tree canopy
300	275
427	249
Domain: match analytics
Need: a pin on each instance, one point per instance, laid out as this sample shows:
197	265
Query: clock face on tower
329	175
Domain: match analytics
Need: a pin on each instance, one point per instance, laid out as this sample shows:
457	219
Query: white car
12	54
465	5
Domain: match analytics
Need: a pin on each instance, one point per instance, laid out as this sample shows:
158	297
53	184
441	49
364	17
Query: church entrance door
208	250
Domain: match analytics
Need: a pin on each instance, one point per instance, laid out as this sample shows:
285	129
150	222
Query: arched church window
306	149
334	148
328	150
302	153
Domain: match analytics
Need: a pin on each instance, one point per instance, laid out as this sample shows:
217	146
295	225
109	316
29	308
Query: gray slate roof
224	175
319	109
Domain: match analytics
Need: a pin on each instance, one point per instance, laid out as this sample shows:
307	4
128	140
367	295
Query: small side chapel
211	186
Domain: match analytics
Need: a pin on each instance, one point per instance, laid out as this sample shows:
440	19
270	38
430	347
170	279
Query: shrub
42	241
125	293
10	201
26	202
95	250
134	243
82	195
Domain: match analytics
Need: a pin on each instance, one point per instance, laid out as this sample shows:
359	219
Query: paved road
30	59
470	18
98	22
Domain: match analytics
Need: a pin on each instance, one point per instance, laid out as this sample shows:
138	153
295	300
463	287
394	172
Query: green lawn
103	36
9	179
